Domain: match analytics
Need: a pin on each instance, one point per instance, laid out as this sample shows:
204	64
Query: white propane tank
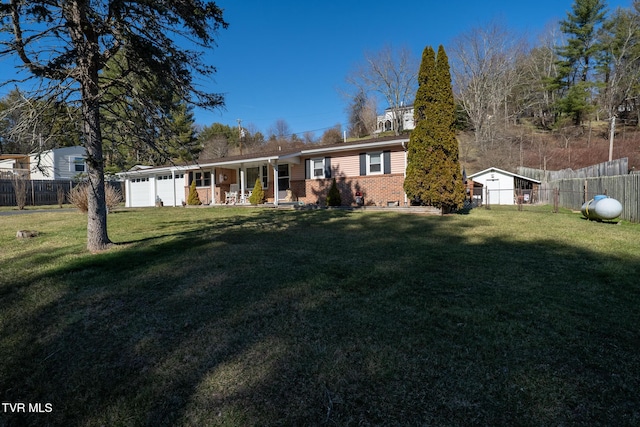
601	207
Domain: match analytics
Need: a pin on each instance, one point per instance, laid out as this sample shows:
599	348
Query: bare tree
538	68
621	65
485	75
280	130
309	137
65	45
362	115
390	73
332	135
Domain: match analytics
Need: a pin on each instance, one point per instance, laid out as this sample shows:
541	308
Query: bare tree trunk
97	238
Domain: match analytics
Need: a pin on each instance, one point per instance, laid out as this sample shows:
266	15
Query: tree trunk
85	42
97	238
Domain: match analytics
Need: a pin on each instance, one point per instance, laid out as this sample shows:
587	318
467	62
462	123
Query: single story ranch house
371	171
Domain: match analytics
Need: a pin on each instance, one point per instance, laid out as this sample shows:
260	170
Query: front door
283	177
283	180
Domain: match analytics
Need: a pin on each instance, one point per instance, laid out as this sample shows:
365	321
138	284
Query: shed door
493	191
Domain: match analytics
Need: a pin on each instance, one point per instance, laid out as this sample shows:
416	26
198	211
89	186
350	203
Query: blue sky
287	59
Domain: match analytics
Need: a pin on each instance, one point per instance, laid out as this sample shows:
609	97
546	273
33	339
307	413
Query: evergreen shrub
257	195
193	198
333	197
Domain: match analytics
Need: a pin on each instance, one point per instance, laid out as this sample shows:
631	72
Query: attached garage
145	186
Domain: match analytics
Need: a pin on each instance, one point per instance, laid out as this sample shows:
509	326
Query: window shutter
386	159
307	169
327	167
363	164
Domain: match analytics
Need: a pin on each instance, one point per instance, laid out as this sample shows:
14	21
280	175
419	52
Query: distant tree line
583	70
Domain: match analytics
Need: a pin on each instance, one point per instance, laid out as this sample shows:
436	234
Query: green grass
236	317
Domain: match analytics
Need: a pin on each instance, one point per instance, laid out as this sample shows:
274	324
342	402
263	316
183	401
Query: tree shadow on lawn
328	317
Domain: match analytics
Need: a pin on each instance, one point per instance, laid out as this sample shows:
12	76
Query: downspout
405	148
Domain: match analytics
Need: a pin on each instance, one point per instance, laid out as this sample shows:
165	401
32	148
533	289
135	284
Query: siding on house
57	164
381	189
349	163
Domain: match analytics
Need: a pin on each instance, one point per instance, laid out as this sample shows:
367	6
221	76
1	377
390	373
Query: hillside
574	147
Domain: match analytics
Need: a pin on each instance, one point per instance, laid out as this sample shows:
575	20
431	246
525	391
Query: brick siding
378	190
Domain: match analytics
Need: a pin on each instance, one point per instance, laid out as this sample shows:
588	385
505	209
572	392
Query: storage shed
506	188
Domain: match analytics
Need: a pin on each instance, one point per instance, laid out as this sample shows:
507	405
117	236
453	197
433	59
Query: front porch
232	182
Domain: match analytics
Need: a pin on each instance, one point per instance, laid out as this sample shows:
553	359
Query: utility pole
240	134
613	132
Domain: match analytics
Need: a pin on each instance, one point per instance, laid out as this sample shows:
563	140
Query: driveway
29	211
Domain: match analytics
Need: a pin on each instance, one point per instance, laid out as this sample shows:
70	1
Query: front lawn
237	317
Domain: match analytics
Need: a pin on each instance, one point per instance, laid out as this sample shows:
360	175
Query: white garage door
141	194
165	188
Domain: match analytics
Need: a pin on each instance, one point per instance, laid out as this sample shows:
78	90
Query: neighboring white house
504	188
59	163
385	122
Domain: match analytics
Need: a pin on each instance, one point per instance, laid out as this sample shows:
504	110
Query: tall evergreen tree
426	77
578	56
433	168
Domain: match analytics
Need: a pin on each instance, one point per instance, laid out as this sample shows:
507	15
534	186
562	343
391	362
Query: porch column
213	187
276	189
242	183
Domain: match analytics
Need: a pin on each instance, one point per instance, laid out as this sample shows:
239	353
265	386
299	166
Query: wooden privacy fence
41	192
572	193
612	168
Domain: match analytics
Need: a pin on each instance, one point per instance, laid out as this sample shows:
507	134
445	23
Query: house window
203	179
77	164
265	176
253	174
317	168
374	163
